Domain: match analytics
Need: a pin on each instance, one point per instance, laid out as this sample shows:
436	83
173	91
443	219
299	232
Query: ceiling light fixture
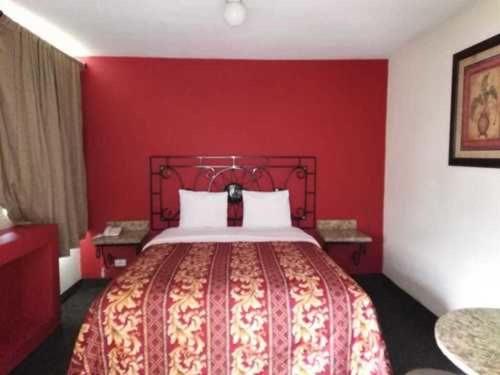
235	12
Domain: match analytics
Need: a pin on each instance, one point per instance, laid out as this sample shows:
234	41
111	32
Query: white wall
442	223
44	28
69	270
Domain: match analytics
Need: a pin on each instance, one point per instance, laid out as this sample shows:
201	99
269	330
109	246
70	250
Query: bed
232	300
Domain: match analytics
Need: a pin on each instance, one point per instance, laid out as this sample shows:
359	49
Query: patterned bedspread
231	308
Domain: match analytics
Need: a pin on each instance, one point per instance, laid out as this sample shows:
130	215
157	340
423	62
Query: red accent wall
135	107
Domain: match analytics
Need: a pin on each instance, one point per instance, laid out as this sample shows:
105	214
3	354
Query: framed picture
475	106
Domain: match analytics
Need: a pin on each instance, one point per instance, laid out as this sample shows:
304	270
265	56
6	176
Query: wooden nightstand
134	233
344	232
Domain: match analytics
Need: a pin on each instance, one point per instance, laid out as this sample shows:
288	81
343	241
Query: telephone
112	231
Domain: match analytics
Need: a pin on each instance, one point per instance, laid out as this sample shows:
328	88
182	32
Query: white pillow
201	209
266	209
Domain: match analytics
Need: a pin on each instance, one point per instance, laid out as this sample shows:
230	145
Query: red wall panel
29	290
135	107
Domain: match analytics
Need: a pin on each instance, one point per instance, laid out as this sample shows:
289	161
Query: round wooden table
470	338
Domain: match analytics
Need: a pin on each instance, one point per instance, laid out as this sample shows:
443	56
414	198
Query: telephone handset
112	231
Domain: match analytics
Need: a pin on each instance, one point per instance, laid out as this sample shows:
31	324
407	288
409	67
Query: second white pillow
266	209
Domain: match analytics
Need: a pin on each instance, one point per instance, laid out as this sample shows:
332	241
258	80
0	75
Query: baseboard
70	291
95	282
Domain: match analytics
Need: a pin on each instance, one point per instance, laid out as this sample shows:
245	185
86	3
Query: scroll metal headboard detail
168	174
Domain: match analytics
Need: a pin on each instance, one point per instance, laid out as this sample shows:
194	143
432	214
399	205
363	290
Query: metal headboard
168	174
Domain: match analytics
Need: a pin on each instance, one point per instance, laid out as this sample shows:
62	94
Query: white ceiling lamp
235	12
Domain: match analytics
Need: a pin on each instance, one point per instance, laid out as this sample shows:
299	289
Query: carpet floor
408	329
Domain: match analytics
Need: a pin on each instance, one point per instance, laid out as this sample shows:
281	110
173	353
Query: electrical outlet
120	262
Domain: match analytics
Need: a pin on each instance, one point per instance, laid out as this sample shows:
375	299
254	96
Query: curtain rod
82	64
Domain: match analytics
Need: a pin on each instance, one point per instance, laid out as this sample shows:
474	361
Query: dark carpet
408	329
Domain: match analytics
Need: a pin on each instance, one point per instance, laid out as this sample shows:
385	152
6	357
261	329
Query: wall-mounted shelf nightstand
344	232
134	233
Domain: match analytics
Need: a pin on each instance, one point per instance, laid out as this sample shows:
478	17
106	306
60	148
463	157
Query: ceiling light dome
235	12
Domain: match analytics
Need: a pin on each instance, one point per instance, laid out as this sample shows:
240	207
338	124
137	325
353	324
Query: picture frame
475	106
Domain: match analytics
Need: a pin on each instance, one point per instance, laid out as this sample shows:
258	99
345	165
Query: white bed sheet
231	234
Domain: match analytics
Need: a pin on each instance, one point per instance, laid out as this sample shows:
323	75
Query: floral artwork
475	116
484	108
238	308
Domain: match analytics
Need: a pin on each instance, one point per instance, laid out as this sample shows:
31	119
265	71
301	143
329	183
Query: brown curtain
42	167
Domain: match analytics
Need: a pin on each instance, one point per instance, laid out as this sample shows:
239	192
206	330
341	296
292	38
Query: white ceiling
275	29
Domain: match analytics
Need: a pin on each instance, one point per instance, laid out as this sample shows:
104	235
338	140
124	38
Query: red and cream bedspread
231	308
